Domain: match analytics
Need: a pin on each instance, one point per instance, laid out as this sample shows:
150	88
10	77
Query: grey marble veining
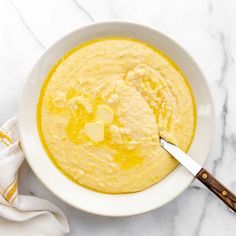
206	28
81	8
26	26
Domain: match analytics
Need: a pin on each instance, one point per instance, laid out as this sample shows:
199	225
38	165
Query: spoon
201	174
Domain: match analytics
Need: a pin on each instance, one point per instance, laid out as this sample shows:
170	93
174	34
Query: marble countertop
206	28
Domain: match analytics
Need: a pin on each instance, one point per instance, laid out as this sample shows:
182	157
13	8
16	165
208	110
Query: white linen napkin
19	214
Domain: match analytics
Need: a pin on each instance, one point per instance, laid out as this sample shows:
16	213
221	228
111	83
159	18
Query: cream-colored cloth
19	214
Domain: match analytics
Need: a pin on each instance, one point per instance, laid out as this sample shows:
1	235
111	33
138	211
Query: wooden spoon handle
217	188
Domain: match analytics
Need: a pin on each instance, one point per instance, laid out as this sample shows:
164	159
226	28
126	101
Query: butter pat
104	114
95	131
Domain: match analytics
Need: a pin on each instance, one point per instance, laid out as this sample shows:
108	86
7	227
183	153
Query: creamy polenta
104	106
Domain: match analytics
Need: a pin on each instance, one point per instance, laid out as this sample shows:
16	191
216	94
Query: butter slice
104	114
95	131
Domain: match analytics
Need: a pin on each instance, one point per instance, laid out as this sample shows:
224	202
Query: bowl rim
131	23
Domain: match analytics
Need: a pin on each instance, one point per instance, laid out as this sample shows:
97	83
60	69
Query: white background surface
207	29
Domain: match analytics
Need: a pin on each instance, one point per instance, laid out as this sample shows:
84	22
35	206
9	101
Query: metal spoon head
162	142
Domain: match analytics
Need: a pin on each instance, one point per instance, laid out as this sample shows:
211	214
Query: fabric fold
20	214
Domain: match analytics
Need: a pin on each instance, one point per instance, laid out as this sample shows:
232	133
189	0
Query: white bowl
114	204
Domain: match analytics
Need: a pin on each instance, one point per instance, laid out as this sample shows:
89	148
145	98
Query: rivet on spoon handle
217	188
204	176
